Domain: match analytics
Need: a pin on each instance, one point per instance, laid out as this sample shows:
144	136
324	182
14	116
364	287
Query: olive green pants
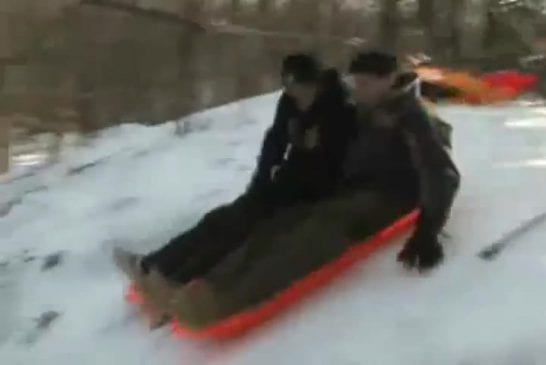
296	242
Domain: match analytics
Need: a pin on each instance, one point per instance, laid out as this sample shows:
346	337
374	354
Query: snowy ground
61	298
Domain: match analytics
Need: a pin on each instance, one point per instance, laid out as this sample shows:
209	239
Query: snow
137	186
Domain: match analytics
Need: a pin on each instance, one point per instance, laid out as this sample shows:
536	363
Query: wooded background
85	64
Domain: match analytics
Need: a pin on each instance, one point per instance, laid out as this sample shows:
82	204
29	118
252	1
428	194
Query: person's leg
263	240
219	231
196	305
325	234
320	237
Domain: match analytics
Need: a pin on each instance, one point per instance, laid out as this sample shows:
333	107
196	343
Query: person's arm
439	181
338	126
274	144
337	133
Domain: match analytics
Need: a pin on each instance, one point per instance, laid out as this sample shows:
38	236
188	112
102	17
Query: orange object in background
486	89
515	81
241	323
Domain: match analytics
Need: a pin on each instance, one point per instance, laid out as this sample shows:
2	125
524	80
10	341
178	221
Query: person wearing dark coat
300	162
416	163
303	150
397	159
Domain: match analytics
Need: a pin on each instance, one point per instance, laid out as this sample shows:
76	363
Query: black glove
422	251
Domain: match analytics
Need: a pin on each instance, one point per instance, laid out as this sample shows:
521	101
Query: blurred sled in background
456	86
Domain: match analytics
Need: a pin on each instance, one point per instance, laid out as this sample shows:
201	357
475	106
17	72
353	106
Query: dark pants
300	240
193	253
221	231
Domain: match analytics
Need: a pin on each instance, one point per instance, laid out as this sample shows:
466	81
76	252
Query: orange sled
489	88
241	323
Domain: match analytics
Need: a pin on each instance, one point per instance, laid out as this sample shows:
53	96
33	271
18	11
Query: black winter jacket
307	172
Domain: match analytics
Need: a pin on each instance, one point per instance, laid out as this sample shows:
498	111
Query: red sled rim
240	323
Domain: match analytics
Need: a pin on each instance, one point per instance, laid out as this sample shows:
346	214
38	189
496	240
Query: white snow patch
138	186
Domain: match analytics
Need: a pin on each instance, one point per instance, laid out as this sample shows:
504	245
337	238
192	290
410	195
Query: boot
154	289
195	305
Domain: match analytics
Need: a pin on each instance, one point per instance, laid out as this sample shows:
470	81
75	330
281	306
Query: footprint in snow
226	161
235	143
79	169
141	153
52	261
244	168
122	204
7	207
208	194
41	325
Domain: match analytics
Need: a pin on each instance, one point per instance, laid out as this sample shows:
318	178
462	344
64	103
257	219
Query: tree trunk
456	22
389	25
426	20
5	129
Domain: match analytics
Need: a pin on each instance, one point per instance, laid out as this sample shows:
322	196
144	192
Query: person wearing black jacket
303	150
300	162
397	159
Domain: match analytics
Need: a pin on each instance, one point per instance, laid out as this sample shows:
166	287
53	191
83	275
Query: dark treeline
69	64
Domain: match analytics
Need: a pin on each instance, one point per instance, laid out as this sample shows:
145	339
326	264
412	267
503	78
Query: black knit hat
374	63
300	68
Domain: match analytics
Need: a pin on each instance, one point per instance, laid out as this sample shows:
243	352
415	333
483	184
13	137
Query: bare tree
426	14
389	24
456	9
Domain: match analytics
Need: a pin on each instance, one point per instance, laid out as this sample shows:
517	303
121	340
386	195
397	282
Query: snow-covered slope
61	299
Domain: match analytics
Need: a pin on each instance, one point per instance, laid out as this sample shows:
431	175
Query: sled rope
493	250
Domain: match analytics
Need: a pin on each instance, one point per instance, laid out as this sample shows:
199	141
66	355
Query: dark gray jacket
400	147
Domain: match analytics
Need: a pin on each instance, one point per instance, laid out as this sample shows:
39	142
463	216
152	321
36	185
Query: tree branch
153	14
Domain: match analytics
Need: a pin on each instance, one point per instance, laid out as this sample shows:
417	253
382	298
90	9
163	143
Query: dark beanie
300	68
375	63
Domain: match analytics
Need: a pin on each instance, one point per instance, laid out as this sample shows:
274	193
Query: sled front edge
241	323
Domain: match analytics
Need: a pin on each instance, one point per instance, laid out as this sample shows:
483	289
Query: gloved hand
422	251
